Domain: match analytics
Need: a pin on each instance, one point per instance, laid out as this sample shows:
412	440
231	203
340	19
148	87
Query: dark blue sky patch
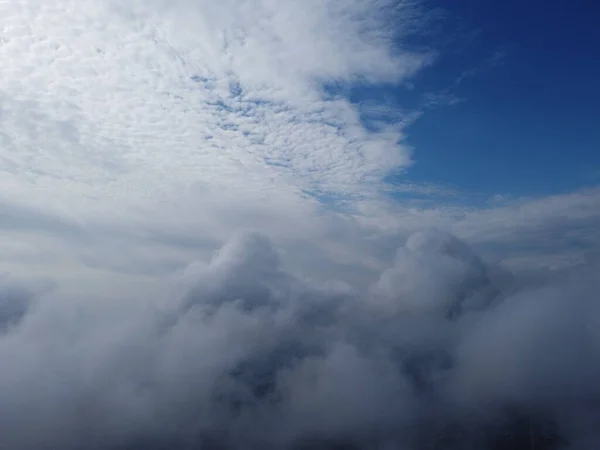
512	105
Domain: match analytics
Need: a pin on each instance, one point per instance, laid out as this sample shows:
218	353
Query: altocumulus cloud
162	127
443	351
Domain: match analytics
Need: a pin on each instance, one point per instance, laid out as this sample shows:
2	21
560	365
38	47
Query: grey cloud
22	218
444	351
17	297
123	248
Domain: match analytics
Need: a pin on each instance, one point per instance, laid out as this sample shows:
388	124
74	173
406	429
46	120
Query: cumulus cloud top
253	356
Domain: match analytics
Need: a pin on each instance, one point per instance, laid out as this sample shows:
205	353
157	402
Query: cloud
139	140
139	102
138	137
137	125
17	297
545	232
255	356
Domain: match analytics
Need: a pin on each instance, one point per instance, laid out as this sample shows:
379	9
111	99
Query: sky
196	196
527	85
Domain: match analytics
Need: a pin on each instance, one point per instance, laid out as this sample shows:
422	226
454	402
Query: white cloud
175	119
546	232
137	102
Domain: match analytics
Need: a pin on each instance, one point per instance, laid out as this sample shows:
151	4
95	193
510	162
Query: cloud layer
444	351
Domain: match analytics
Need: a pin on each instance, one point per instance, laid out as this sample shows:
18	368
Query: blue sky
526	74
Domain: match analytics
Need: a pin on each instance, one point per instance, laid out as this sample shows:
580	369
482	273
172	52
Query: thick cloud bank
443	351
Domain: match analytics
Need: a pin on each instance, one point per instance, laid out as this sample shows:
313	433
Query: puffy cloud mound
443	351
